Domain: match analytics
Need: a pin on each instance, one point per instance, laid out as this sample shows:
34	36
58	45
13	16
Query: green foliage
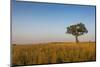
77	30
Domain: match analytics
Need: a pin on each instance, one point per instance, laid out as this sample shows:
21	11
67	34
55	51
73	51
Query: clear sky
45	22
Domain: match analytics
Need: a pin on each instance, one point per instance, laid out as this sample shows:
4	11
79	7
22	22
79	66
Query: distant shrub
14	44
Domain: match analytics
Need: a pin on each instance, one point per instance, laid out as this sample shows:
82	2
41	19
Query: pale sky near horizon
45	22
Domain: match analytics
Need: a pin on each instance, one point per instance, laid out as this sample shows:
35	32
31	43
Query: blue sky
44	22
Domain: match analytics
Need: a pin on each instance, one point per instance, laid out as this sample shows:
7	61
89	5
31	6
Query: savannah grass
56	52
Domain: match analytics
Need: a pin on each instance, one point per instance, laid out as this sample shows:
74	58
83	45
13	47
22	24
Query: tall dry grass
53	53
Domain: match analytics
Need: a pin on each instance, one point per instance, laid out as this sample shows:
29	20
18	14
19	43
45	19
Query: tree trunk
77	41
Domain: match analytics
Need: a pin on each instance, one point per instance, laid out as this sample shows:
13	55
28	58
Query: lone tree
77	30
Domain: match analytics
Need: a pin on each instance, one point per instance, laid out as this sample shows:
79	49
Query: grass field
56	52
